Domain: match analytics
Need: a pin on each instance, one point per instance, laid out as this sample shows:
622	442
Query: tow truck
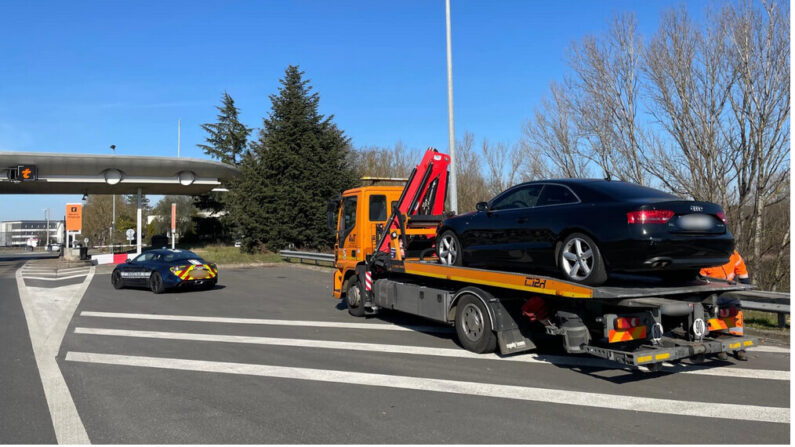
390	263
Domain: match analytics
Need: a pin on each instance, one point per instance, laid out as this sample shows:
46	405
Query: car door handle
521	220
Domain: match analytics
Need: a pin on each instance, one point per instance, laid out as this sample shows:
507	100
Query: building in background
18	232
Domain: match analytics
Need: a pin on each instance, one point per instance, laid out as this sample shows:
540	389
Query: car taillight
649	216
727	312
721	215
626	323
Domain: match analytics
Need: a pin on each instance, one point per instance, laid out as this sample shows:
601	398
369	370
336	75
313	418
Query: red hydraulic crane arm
423	195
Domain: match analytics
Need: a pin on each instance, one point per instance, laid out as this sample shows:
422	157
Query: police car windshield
179	256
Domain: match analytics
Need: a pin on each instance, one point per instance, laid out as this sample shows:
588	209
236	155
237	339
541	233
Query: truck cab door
347	232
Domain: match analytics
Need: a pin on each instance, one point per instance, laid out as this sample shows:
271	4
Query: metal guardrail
764	301
306	255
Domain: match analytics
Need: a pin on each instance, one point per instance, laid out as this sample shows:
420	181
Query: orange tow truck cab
360	219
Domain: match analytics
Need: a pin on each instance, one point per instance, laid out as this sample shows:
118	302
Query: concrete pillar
138	227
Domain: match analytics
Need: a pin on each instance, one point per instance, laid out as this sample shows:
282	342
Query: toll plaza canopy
108	174
46	173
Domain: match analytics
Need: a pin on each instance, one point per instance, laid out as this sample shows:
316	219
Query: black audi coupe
586	229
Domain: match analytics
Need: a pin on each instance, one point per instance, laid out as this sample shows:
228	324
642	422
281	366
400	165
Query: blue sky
76	77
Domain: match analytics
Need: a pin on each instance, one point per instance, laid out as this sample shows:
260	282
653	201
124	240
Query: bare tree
553	134
607	82
502	163
397	161
759	53
471	184
688	91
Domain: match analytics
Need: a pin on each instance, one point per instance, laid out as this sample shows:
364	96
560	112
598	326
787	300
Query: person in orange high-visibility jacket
734	270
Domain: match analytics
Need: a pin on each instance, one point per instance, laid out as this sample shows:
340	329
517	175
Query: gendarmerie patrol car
165	269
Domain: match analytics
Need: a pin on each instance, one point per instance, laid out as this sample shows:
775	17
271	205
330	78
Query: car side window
556	195
521	197
144	257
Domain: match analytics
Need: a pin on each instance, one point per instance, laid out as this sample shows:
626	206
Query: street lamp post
451	131
47	218
113	219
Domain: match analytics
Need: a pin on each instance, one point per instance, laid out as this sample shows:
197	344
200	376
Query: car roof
162	251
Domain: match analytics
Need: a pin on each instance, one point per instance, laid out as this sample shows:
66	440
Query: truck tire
354	298
473	325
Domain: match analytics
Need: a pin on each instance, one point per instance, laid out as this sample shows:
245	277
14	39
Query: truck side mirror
332	208
482	206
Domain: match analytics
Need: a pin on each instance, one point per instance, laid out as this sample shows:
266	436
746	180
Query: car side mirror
128	261
482	206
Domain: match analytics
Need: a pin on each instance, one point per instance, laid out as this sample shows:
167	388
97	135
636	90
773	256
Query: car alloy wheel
448	249
577	259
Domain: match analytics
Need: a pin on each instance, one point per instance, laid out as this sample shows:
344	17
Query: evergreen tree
227	138
226	141
300	160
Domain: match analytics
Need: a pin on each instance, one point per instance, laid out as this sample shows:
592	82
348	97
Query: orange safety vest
729	271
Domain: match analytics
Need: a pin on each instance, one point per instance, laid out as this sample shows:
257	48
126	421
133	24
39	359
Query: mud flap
509	338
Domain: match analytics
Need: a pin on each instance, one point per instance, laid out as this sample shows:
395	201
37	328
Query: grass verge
227	254
763	320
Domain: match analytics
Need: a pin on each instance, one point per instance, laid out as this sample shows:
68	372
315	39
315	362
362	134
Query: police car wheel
156	283
116	280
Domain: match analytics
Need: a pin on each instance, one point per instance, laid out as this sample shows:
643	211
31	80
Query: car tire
473	325
448	249
156	283
580	260
115	279
354	299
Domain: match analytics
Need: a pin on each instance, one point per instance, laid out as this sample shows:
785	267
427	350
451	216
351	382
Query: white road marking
563	397
261	321
426	351
773	349
330	324
47	321
57	278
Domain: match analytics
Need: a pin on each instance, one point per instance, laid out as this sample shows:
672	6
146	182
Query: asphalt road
286	380
269	356
24	416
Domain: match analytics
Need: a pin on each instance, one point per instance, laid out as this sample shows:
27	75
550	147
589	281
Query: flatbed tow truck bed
707	324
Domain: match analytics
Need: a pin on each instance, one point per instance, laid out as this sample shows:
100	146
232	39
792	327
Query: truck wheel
156	283
354	298
473	325
448	249
116	280
581	261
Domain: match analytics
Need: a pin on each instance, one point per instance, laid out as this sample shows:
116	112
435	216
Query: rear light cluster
649	216
626	323
180	268
727	312
721	215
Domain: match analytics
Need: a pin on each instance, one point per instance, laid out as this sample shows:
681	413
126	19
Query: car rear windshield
623	191
181	255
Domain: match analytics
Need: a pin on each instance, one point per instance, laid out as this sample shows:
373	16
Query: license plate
696	222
